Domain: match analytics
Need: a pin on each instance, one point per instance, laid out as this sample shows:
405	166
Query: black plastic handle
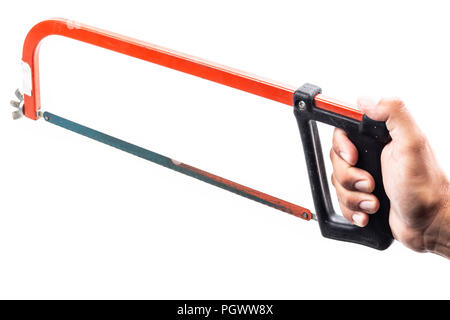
369	137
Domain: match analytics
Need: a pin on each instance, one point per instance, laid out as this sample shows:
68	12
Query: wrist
436	236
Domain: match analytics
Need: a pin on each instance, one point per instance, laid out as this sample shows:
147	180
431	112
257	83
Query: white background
79	219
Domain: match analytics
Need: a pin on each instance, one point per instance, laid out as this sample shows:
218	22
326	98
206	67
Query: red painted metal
161	56
336	106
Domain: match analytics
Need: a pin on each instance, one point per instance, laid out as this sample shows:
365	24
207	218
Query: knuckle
420	142
347	181
335	135
393	102
349	202
397	102
335	145
346	213
417	145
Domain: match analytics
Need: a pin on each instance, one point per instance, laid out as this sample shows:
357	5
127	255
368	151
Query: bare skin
417	187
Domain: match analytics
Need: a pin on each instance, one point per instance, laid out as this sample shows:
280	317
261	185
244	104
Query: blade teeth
19	95
15	104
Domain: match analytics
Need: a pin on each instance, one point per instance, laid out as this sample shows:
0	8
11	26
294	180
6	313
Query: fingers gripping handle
369	137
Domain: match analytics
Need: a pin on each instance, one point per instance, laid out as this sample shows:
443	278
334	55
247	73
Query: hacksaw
309	106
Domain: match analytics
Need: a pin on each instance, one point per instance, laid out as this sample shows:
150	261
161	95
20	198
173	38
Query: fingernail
367	205
362	185
358	219
345	156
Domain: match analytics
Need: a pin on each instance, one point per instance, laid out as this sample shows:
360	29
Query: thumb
399	121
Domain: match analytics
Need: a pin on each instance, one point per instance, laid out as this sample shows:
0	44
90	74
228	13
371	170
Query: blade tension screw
302	105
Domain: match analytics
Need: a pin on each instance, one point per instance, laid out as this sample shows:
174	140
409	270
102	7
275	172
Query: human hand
415	184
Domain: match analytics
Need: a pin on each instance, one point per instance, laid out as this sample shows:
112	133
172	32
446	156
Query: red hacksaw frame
177	61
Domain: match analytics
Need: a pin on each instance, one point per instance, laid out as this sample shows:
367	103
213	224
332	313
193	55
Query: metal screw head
302	105
305	215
